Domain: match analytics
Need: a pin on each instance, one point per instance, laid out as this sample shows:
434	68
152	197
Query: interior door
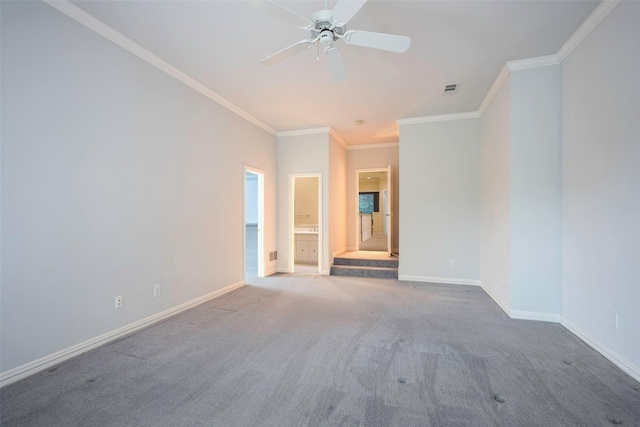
388	215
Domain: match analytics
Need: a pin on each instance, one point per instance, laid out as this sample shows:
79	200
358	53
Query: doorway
374	209
305	219
253	223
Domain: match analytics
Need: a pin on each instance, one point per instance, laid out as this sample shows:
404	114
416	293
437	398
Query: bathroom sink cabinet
306	248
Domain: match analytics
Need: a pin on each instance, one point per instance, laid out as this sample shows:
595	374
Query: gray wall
301	154
115	177
495	198
440	199
337	198
601	184
317	152
535	190
520	188
251	198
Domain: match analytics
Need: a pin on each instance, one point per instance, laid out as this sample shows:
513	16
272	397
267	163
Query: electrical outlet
453	263
156	291
613	321
119	301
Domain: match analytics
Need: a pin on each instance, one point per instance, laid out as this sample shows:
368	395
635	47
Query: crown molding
587	26
576	38
540	61
126	43
438	118
370	146
497	84
298	132
338	138
89	21
523	64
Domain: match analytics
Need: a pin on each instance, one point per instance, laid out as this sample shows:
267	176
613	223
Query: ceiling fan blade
336	64
287	52
382	41
346	9
280	12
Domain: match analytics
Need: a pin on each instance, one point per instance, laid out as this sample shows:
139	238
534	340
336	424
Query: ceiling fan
326	27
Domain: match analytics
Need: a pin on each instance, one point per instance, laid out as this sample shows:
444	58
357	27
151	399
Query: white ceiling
220	44
372	176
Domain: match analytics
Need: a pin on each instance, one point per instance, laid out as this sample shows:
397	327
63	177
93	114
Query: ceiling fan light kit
327	27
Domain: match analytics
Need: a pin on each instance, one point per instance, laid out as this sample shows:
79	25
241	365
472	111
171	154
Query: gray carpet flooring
377	242
305	350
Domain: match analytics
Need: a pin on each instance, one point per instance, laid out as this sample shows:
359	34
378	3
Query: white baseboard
28	369
270	272
340	252
534	315
352	249
282	270
326	272
502	305
445	280
614	357
611	355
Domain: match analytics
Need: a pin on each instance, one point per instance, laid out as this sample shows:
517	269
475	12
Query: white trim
534	315
540	61
351	249
444	280
270	272
614	357
126	43
371	146
45	362
496	300
326	272
340	252
438	118
497	84
260	176
310	131
587	26
283	270
572	42
523	64
338	138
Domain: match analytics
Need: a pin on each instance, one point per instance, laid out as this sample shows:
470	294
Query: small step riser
366	262
354	272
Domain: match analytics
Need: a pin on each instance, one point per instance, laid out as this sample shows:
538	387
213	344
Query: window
369	202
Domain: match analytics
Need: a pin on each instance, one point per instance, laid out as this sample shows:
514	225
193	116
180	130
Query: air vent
451	88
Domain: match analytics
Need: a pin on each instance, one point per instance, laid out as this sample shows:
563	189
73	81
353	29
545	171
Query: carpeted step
387	263
364	271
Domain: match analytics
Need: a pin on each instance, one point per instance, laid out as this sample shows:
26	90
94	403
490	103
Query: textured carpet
302	350
377	242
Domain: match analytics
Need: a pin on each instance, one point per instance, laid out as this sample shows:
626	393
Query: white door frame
260	173
357	200
292	219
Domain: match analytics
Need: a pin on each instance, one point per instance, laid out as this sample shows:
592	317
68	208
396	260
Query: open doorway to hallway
253	223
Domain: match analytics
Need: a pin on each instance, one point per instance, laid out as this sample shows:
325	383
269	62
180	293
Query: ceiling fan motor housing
327	37
325	27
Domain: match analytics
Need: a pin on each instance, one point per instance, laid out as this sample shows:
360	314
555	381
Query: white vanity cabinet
306	247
